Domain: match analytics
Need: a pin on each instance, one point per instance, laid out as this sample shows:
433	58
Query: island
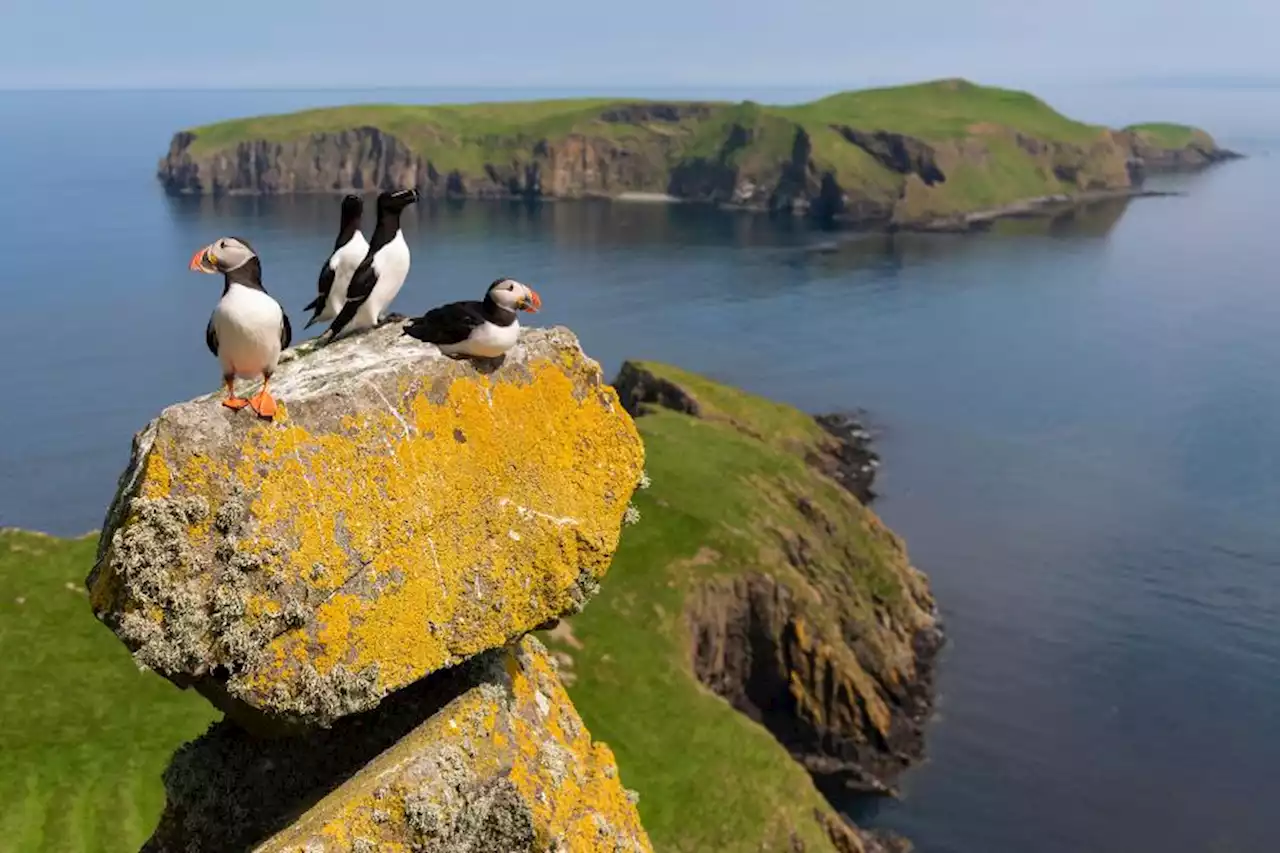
944	154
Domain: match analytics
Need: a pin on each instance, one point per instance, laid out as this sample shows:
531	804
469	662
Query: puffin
484	329
248	328
335	274
380	275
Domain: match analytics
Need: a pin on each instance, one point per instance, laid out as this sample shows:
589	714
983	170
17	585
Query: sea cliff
921	156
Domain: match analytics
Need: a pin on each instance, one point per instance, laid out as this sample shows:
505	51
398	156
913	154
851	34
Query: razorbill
248	328
382	272
335	274
485	329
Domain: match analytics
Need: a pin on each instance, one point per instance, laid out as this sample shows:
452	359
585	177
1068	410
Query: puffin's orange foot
236	403
264	404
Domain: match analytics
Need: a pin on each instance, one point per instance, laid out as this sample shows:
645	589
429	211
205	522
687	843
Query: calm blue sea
1080	422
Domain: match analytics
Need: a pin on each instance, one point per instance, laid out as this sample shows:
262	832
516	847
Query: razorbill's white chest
485	329
381	274
335	273
248	328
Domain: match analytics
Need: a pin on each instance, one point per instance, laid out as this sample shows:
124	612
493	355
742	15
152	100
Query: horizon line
1190	81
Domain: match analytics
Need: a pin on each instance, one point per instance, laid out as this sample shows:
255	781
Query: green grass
84	736
710	779
944	109
937	110
1169	135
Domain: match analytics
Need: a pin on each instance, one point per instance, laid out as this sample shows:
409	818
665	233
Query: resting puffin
248	328
348	251
484	329
382	272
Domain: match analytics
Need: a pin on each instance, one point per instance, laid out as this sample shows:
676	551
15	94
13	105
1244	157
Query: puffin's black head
514	296
394	202
352	208
223	255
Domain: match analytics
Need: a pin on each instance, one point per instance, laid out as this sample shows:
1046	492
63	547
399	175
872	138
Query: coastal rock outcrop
1197	150
353	584
408	511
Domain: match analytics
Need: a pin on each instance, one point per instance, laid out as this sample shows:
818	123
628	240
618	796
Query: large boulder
404	512
490	757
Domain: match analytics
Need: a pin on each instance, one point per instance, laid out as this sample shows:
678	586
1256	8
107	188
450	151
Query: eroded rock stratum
351	583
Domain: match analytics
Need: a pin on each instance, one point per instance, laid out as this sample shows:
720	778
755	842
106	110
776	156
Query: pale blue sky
327	43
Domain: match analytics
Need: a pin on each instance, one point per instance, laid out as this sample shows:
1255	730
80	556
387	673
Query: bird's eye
222	244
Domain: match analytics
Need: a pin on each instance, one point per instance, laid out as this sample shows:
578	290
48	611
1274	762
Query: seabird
348	251
382	272
248	328
485	329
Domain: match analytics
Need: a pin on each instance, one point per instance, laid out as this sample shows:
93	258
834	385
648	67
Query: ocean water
1079	420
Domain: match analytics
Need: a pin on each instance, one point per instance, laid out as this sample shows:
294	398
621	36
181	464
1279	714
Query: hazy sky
327	43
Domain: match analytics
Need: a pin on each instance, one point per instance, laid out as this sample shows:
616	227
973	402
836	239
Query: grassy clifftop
907	154
935	111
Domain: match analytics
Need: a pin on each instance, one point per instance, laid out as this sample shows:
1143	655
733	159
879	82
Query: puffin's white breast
488	340
247	323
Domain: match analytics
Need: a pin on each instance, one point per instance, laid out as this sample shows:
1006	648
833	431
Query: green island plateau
945	154
760	637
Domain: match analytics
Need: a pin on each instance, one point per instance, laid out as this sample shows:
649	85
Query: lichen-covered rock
488	758
404	512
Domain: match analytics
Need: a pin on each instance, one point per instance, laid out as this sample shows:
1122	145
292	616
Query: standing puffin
382	272
484	329
248	328
348	251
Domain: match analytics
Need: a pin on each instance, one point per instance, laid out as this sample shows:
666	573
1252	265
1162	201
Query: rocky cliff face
360	159
351	584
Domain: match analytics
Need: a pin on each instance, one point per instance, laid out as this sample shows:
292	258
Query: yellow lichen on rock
410	512
506	766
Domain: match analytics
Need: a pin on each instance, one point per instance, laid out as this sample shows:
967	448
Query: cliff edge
921	156
352	584
759	617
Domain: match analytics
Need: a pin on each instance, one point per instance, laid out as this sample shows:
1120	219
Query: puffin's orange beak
533	303
202	261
